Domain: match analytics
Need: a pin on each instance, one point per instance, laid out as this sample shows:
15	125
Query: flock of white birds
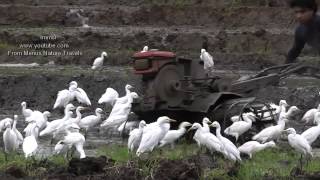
147	137
65	129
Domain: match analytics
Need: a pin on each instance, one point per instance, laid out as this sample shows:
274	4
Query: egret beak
189	129
172	120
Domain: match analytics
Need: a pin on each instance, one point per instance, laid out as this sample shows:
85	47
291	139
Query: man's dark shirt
305	34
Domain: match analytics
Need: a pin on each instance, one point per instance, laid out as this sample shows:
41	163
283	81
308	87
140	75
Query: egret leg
51	141
67	154
5	156
72	152
301	162
85	133
172	145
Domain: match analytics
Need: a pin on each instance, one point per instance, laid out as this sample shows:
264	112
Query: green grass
31	166
119	153
274	162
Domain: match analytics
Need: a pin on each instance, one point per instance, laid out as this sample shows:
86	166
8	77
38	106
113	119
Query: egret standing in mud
174	135
10	140
240	127
75	139
90	121
207	139
313	133
25	112
153	133
120	112
53	125
29	145
231	151
98	62
252	147
299	143
135	137
37	122
309	115
15	130
270	133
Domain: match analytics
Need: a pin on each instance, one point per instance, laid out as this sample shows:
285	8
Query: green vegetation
275	163
31	166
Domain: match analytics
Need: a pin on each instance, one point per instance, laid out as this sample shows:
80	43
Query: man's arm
298	45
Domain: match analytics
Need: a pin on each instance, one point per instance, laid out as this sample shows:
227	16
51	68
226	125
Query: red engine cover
148	54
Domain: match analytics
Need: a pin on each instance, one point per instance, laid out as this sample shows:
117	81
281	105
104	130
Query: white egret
299	143
15	130
205	124
109	97
291	111
309	115
153	134
74	139
25	112
240	127
98	62
276	109
312	133
67	95
39	118
125	98
29	145
270	133
66	124
53	125
119	112
37	122
231	151
3	122
135	137
174	135
237	118
91	121
198	135
207	59
145	49
207	139
10	138
252	147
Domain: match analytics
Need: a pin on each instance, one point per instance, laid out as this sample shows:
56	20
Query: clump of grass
119	153
275	162
32	166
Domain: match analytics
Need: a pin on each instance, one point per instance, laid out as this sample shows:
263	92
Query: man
308	31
